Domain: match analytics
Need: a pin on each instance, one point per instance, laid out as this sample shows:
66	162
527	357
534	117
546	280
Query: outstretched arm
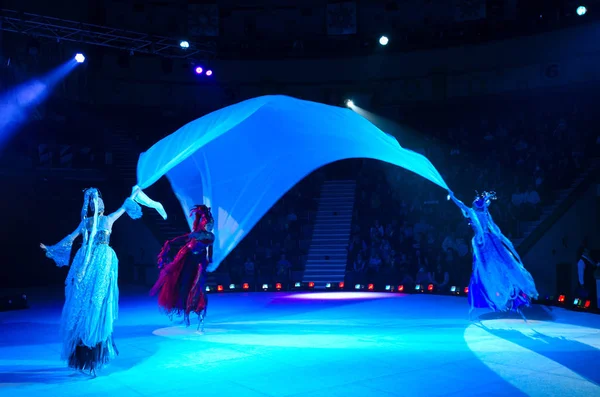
460	204
132	208
60	253
163	256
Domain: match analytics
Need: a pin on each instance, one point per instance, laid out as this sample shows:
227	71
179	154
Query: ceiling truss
134	42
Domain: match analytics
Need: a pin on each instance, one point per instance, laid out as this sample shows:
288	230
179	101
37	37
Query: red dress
181	283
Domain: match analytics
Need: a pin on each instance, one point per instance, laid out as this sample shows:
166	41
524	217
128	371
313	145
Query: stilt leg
200	323
522	315
186	319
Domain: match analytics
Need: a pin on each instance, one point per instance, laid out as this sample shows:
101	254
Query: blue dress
499	279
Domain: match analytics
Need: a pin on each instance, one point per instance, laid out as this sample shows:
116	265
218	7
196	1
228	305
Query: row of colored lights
332	286
264	287
578	303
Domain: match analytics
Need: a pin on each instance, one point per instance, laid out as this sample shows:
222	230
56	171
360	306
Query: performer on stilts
499	280
181	284
91	291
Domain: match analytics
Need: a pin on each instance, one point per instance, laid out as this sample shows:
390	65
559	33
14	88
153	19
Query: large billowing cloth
241	159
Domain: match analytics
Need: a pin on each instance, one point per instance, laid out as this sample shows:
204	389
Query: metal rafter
65	30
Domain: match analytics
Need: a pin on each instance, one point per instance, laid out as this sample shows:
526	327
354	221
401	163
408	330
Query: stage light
400	288
209	72
370	287
349	103
184	44
79	58
246	286
383	40
561	299
278	286
388	288
220	288
265	287
207	289
581	10
357	286
303	286
430	287
418	287
466	290
454	290
587	304
199	70
334	286
231	286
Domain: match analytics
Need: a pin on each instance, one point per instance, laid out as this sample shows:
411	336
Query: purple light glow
342	295
209	72
199	70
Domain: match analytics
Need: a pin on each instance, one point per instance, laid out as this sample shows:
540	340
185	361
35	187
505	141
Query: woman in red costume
181	283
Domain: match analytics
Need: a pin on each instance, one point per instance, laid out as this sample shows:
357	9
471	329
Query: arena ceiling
230	29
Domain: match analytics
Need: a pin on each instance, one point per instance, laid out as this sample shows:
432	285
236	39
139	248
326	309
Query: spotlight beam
17	102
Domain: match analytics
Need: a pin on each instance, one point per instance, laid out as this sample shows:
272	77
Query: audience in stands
524	154
403	231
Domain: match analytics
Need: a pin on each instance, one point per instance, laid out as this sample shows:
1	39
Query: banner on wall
203	20
341	18
469	10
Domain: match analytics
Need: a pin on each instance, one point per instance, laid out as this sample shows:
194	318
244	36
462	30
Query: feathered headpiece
483	200
198	211
203	209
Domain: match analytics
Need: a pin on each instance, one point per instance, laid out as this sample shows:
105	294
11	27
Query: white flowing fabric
241	159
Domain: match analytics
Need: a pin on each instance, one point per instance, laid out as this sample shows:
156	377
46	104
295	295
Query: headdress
483	200
200	208
198	211
91	195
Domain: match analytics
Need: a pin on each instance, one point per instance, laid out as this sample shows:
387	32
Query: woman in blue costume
499	280
91	291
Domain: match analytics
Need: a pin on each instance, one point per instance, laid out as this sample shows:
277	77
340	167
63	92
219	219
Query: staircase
528	227
327	254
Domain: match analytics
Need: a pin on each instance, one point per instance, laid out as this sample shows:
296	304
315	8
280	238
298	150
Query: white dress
91	293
